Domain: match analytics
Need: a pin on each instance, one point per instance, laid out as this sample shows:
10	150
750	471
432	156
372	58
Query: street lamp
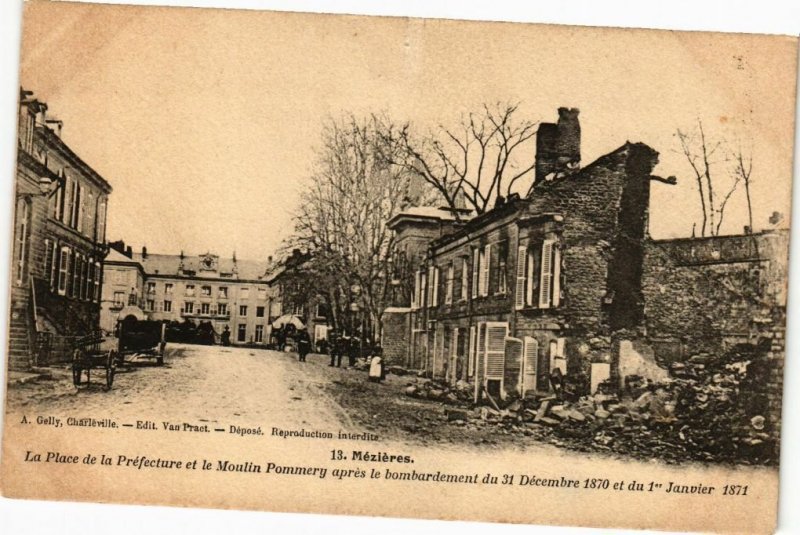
45	188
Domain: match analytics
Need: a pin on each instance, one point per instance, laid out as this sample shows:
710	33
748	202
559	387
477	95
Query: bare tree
342	221
704	156
743	168
469	166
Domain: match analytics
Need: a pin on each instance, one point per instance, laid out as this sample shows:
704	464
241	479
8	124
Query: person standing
334	348
303	344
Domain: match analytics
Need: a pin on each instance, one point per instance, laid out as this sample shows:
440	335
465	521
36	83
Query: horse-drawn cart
88	354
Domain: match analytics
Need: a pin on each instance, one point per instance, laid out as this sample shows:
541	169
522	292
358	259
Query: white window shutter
431	286
475	272
530	356
436	286
519	290
487	261
472	350
546	280
496	333
556	276
531	279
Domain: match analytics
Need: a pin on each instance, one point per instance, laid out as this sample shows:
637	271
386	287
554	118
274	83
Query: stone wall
394	338
703	294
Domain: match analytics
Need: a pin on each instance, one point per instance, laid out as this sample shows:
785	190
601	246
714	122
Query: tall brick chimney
558	146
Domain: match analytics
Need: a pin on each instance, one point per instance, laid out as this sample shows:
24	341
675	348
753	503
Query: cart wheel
109	377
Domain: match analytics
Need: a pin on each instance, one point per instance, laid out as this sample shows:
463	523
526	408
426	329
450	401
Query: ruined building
569	279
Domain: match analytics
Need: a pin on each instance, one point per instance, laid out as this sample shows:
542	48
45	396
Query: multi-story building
59	241
568	282
226	292
123	288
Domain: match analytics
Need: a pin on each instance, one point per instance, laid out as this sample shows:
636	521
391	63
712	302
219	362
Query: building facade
59	241
568	283
225	292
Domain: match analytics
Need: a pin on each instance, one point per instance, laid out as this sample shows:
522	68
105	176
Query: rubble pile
420	388
709	409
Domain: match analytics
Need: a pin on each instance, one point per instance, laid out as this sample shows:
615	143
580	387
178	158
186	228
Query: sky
205	121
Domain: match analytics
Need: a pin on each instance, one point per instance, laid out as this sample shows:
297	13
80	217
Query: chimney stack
129	251
144	252
558	146
55	125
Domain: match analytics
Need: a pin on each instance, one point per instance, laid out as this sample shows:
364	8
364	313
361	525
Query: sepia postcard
399	267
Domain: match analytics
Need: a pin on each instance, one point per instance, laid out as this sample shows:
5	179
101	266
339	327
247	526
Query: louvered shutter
486	269
546	284
495	350
436	286
472	350
530	356
519	290
431	286
479	358
475	271
556	276
530	279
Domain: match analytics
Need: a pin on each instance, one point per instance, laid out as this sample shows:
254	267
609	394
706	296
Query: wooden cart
87	355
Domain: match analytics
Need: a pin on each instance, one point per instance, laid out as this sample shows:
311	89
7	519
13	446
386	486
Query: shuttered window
521	278
473	349
496	333
448	292
475	272
63	271
486	261
546	277
464	278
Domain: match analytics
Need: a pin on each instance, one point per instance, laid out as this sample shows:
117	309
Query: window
190	289
241	333
259	312
132	299
119	299
98	274
262	293
222	309
205	291
223	292
448	292
188	307
23	225
415	297
151	287
63	271
89	294
476	269
538	275
243	310
168	288
101	222
502	283
54	268
433	286
464	278
259	334
205	308
484	269
244	293
167	306
150	305
74	275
